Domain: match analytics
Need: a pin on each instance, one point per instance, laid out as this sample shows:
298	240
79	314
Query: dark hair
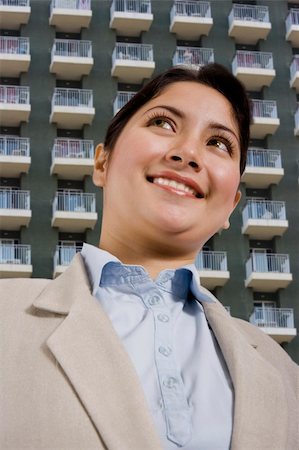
211	75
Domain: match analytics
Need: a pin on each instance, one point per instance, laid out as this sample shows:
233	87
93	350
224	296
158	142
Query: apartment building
67	66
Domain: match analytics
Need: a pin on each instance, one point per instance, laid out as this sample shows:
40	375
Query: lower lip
175	191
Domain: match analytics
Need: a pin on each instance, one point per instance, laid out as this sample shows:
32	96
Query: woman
126	350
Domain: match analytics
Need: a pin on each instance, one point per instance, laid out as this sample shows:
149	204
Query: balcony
121	99
14	156
267	272
72	108
71	59
294	73
14	13
72	159
296	129
14	105
264	219
253	69
15	261
292	27
192	56
249	23
63	258
190	19
14	55
131	17
15	209
264	118
132	63
74	211
70	15
276	322
212	268
263	168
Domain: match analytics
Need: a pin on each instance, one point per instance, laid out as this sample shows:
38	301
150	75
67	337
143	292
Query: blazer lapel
96	364
260	412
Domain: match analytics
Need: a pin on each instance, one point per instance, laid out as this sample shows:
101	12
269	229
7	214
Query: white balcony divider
264	158
15	254
292	18
70	4
10	199
193	56
297	118
267	262
273	317
72	97
121	99
72	48
15	3
190	8
264	209
133	52
73	148
14	94
14	146
253	60
249	13
209	260
64	254
73	201
264	108
14	45
294	66
131	6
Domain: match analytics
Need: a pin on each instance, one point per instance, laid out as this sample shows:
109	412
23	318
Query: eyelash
160	115
224	140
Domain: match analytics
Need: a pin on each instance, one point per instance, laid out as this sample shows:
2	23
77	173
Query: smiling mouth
180	187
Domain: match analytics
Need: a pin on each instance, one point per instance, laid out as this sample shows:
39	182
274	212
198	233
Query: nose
180	159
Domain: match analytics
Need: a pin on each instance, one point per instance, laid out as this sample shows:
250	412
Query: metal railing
133	52
209	260
190	8
131	6
15	2
272	317
292	18
121	99
264	209
267	262
72	97
297	118
264	108
14	45
72	148
193	56
253	13
14	199
254	60
15	254
64	254
70	4
72	48
14	94
74	201
257	157
14	146
294	67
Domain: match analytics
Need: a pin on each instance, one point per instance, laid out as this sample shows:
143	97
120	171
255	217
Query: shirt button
163	318
170	382
166	351
155	300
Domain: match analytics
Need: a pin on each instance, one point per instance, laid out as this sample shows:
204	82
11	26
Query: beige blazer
67	383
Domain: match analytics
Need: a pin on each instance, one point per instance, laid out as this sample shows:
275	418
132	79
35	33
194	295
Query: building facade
67	66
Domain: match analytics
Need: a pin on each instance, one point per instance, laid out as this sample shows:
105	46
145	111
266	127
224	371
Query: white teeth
175	184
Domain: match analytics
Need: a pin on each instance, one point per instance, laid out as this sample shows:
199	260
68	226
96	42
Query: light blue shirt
175	354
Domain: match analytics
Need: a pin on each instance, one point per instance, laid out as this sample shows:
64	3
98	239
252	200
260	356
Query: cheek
226	181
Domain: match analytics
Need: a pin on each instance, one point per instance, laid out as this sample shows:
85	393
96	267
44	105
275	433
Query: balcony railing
264	108
267	262
72	48
72	97
70	4
249	13
190	8
264	158
131	6
10	199
264	209
253	60
292	18
14	146
133	52
297	118
14	94
208	260
14	45
64	254
73	148
15	254
121	99
193	56
72	201
273	317
294	68
15	2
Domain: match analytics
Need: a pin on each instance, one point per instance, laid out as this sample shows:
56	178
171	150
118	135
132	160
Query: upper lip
180	179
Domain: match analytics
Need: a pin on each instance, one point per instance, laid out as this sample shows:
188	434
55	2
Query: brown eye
216	142
161	123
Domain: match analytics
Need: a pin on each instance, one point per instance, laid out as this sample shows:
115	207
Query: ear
237	198
100	166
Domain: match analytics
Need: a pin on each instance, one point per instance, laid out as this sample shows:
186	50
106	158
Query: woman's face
172	179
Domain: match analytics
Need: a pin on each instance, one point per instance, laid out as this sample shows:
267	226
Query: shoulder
19	293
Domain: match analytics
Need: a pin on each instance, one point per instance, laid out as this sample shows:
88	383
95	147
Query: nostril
193	164
176	158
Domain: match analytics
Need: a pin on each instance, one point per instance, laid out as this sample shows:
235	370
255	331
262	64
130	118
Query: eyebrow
172	109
